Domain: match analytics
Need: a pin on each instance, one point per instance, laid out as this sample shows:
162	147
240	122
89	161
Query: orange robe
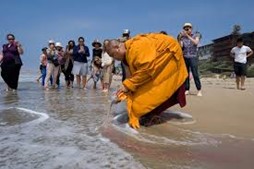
157	70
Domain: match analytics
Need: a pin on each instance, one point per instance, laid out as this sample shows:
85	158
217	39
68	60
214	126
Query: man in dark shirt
80	67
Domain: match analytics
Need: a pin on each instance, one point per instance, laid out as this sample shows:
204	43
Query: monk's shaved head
112	44
115	49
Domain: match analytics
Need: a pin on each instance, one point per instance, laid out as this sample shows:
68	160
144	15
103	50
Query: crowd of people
72	61
156	67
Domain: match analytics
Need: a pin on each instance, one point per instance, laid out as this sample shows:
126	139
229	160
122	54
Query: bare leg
242	82
83	82
106	87
67	84
237	82
50	68
55	75
78	80
102	85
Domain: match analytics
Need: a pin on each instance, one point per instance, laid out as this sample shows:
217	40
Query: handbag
55	62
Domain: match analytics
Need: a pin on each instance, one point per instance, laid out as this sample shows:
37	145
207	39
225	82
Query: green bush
250	71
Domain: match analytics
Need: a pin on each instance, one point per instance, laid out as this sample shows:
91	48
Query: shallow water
63	133
66	128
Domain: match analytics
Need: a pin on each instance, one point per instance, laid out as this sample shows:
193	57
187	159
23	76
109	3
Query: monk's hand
122	89
134	123
135	126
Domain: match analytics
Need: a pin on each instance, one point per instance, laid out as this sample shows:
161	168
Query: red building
222	47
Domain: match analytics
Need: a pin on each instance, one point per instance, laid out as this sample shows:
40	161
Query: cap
187	24
126	31
58	44
51	41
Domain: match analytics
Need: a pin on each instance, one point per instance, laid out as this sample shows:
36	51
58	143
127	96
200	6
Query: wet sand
223	109
219	136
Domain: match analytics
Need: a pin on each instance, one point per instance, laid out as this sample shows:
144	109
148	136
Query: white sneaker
199	93
187	92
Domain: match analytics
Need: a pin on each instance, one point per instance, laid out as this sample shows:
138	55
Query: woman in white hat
61	60
189	42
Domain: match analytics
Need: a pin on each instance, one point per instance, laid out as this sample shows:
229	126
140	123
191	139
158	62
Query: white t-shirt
106	59
241	53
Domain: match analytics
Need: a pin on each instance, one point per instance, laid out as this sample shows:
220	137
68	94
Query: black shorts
240	69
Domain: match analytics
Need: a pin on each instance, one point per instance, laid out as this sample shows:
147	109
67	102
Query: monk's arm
144	56
139	78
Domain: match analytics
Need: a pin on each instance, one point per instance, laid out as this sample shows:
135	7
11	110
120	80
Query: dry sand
222	109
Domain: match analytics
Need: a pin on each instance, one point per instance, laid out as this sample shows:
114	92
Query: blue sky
34	22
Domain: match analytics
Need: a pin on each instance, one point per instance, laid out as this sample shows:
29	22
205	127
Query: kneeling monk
157	74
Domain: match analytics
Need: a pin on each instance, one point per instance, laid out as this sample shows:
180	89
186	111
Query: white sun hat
187	25
51	41
58	44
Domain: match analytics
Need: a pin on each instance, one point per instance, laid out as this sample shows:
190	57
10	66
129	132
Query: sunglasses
187	28
10	38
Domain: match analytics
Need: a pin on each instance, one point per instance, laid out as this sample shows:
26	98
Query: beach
73	128
223	109
219	134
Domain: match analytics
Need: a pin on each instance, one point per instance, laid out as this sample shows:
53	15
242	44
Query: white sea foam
188	137
42	116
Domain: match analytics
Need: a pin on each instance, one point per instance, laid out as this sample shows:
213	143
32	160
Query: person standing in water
43	65
69	77
80	67
11	62
107	64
